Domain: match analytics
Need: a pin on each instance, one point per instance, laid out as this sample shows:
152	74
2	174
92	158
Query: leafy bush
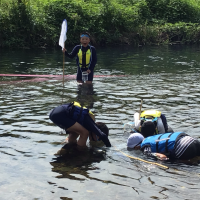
37	23
173	11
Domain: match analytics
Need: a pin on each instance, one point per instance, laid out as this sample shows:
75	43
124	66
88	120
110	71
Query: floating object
40	78
56	76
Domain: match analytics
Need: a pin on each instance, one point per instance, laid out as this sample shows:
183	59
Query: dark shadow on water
85	95
69	160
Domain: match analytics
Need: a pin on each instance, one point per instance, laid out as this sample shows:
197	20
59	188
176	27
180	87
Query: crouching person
79	123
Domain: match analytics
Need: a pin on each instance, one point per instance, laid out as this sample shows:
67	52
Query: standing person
86	58
79	123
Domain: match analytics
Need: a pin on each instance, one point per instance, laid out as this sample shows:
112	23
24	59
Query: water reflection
70	161
167	78
86	95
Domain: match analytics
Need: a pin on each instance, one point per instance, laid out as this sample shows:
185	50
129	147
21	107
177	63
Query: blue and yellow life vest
150	115
78	112
88	57
79	105
162	143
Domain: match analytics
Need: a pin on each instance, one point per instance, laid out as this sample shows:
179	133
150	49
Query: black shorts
61	118
79	74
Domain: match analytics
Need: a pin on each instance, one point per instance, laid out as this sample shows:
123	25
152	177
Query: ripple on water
29	140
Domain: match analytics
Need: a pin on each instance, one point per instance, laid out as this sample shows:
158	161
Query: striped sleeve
182	144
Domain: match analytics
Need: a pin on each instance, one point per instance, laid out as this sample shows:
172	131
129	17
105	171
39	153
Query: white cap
134	139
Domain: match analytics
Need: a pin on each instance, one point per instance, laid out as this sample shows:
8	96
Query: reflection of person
79	122
70	160
85	95
86	57
177	145
154	116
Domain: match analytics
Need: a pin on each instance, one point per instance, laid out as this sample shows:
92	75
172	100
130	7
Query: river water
166	78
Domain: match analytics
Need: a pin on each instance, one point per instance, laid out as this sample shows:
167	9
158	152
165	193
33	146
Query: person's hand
161	156
64	50
88	71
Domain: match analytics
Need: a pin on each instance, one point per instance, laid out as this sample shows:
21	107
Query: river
165	77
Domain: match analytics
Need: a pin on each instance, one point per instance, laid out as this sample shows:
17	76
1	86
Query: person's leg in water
90	77
79	75
75	131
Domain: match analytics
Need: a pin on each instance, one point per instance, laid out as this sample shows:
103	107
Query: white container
84	76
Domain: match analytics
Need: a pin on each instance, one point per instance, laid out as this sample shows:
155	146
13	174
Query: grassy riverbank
37	23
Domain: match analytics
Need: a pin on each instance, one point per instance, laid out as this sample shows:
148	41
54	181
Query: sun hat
134	139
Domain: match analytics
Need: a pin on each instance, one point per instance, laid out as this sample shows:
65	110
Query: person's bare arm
160	156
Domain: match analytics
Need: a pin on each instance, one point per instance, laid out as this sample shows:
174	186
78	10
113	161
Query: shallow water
166	78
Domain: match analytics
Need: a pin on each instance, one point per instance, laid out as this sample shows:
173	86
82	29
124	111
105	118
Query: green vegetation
37	23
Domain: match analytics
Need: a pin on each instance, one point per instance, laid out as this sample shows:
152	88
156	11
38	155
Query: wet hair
103	127
148	129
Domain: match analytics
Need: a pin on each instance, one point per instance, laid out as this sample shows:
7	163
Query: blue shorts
79	74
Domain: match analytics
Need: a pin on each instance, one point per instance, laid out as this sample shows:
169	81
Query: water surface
166	78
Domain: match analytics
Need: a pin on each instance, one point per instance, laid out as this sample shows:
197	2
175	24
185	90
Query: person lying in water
156	117
79	123
177	145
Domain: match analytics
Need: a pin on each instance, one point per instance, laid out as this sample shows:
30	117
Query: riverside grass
36	23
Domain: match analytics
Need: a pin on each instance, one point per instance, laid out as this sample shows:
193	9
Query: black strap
82	64
166	143
158	142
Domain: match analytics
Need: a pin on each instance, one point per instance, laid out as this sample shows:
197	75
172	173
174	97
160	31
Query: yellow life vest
88	56
79	105
150	113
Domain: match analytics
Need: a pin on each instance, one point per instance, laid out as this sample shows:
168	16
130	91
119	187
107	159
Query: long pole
140	108
63	65
153	163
